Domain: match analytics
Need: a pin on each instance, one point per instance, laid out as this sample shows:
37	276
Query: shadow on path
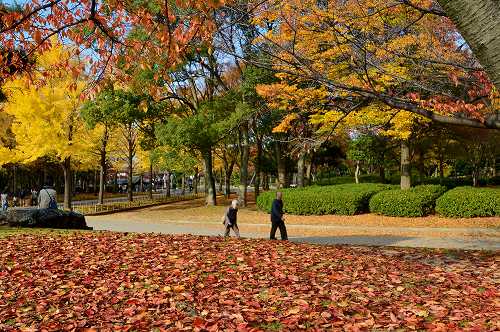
401	241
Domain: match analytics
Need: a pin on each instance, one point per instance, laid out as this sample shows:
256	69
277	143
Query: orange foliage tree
119	37
350	54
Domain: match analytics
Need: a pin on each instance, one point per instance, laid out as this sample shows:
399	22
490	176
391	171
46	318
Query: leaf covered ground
113	281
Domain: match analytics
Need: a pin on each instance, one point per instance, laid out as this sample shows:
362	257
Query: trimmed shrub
336	180
468	202
415	202
345	199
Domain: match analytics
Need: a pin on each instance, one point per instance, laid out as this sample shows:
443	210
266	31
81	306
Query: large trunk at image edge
300	169
245	151
478	22
405	165
68	179
211	198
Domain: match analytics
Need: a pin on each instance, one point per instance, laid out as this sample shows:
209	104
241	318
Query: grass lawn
114	281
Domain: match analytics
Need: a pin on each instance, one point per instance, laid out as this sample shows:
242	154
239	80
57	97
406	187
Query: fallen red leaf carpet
111	281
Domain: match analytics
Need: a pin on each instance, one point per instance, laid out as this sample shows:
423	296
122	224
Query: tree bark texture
281	167
405	165
479	23
211	198
68	179
300	169
245	152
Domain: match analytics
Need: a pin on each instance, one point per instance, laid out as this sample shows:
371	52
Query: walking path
456	238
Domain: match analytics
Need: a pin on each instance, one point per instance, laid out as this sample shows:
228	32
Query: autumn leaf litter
112	281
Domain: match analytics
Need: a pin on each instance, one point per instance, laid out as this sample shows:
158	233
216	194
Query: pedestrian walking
34	197
277	218
230	219
47	198
4	201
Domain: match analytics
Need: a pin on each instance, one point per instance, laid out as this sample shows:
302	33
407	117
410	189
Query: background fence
138	202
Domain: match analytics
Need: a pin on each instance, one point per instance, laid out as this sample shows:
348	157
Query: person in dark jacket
277	218
230	219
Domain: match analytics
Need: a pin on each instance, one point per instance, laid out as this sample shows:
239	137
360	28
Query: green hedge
415	202
345	199
468	202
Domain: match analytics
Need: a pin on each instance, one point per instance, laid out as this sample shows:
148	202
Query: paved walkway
478	238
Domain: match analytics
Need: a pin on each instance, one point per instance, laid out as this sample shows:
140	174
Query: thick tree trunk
183	184
356	172
381	172
266	181
103	169
479	23
211	198
245	152
300	169
115	182
167	184
102	181
421	166
130	161
195	181
405	165
227	180
281	183
68	179
441	166
258	166
475	177
308	172
221	179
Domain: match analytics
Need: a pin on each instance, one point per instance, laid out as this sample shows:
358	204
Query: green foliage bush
468	202
345	199
415	202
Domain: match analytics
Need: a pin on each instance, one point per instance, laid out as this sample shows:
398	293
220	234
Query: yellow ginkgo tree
45	109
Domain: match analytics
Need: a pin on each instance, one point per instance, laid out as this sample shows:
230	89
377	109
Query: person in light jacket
230	219
4	201
47	198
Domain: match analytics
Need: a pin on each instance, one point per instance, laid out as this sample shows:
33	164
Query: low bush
345	199
415	202
468	202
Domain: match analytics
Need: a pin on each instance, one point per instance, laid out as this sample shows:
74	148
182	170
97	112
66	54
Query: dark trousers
281	225
235	229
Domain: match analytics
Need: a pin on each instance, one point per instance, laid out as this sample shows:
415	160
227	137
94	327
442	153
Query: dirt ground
197	211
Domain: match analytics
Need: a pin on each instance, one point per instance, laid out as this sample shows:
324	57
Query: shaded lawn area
115	281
